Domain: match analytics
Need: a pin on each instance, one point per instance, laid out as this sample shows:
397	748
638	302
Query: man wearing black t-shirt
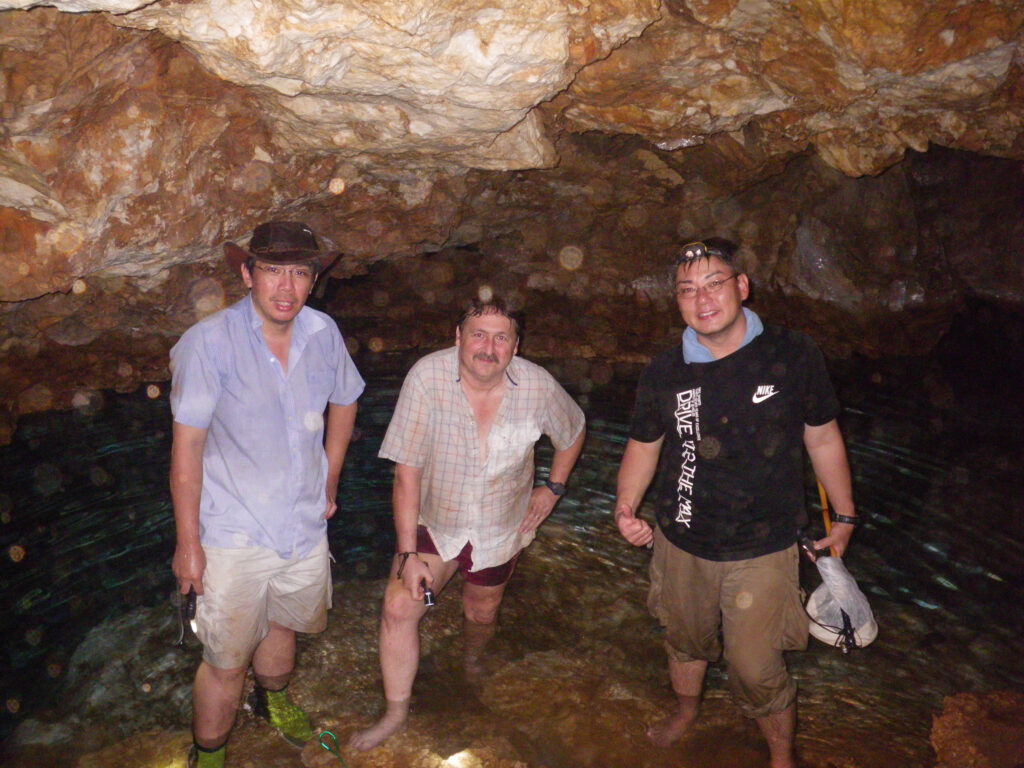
722	420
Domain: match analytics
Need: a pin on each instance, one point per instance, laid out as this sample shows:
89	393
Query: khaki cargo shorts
748	610
246	589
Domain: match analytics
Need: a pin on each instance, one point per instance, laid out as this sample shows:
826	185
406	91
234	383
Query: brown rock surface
980	731
555	151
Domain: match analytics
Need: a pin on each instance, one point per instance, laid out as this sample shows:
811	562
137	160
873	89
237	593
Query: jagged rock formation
865	154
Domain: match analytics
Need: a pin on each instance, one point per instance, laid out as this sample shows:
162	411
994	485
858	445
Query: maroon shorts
486	577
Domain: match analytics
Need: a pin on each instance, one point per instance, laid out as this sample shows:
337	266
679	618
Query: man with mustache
462	438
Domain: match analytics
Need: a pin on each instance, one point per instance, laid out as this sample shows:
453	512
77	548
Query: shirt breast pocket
320	382
511	443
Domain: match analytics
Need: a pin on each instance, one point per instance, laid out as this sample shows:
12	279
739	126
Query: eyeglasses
299	274
687	292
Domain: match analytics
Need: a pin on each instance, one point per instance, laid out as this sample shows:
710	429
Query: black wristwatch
854	520
556	488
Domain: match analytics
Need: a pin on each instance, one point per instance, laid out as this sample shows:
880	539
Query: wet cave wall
876	267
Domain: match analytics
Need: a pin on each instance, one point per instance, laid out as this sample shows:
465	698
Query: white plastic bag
839	611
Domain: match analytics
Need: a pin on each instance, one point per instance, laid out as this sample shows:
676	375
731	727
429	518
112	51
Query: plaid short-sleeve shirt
462	496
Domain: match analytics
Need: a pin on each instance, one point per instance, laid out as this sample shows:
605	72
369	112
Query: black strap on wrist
845	519
556	488
401	565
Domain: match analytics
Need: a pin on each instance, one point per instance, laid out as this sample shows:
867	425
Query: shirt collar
695	352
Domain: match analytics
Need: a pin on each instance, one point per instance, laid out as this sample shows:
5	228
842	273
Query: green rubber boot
202	758
277	709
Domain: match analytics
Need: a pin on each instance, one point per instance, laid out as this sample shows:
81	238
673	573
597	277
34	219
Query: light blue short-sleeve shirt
264	464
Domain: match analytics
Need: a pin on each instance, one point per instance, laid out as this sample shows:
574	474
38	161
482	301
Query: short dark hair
494	306
719	247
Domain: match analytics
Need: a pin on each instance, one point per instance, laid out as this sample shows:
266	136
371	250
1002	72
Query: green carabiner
332	747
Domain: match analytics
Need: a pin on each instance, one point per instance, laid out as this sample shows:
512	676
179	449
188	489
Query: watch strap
556	488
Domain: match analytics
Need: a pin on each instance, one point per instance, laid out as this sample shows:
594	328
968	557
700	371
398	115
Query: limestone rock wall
866	156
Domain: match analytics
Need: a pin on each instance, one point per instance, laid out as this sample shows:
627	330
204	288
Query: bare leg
399	652
215	697
687	682
274	659
778	729
480	620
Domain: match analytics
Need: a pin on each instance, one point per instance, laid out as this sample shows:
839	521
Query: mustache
485	357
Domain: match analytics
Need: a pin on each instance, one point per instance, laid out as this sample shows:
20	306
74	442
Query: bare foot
391	723
669	730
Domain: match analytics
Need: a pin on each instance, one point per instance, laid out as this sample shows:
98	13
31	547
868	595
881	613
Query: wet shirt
462	497
730	474
264	464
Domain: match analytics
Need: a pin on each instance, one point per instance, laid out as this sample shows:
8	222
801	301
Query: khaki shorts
246	589
752	607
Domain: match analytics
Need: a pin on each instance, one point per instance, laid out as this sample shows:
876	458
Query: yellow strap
824	513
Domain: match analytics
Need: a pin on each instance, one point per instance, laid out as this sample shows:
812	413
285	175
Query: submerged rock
980	730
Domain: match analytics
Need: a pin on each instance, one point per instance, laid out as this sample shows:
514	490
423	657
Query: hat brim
322	260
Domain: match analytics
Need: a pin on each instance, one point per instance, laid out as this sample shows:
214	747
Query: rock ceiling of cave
137	134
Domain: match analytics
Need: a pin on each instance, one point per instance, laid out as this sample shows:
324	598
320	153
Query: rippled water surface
87	535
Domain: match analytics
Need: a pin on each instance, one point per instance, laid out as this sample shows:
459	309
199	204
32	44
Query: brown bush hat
281	242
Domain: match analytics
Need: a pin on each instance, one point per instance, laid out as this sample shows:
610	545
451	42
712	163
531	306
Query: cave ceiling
866	155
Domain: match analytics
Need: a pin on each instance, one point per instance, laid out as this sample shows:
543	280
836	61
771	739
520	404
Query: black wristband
401	565
846	519
556	488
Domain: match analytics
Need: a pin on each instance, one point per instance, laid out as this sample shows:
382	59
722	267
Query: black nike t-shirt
730	474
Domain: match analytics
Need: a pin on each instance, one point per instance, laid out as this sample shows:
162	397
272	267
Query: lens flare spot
16	552
99	477
744	600
709	447
87	401
571	257
13	705
47	479
313	421
146	687
53	669
206	295
152	391
485	293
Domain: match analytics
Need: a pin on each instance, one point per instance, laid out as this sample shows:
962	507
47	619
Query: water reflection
576	669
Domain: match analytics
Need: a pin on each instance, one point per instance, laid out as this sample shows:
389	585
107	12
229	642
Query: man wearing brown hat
254	479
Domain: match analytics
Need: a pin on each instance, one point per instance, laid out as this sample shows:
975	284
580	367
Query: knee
761	682
399	607
481	611
221	677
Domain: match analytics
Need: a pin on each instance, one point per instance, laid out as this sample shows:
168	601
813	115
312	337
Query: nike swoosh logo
762	398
